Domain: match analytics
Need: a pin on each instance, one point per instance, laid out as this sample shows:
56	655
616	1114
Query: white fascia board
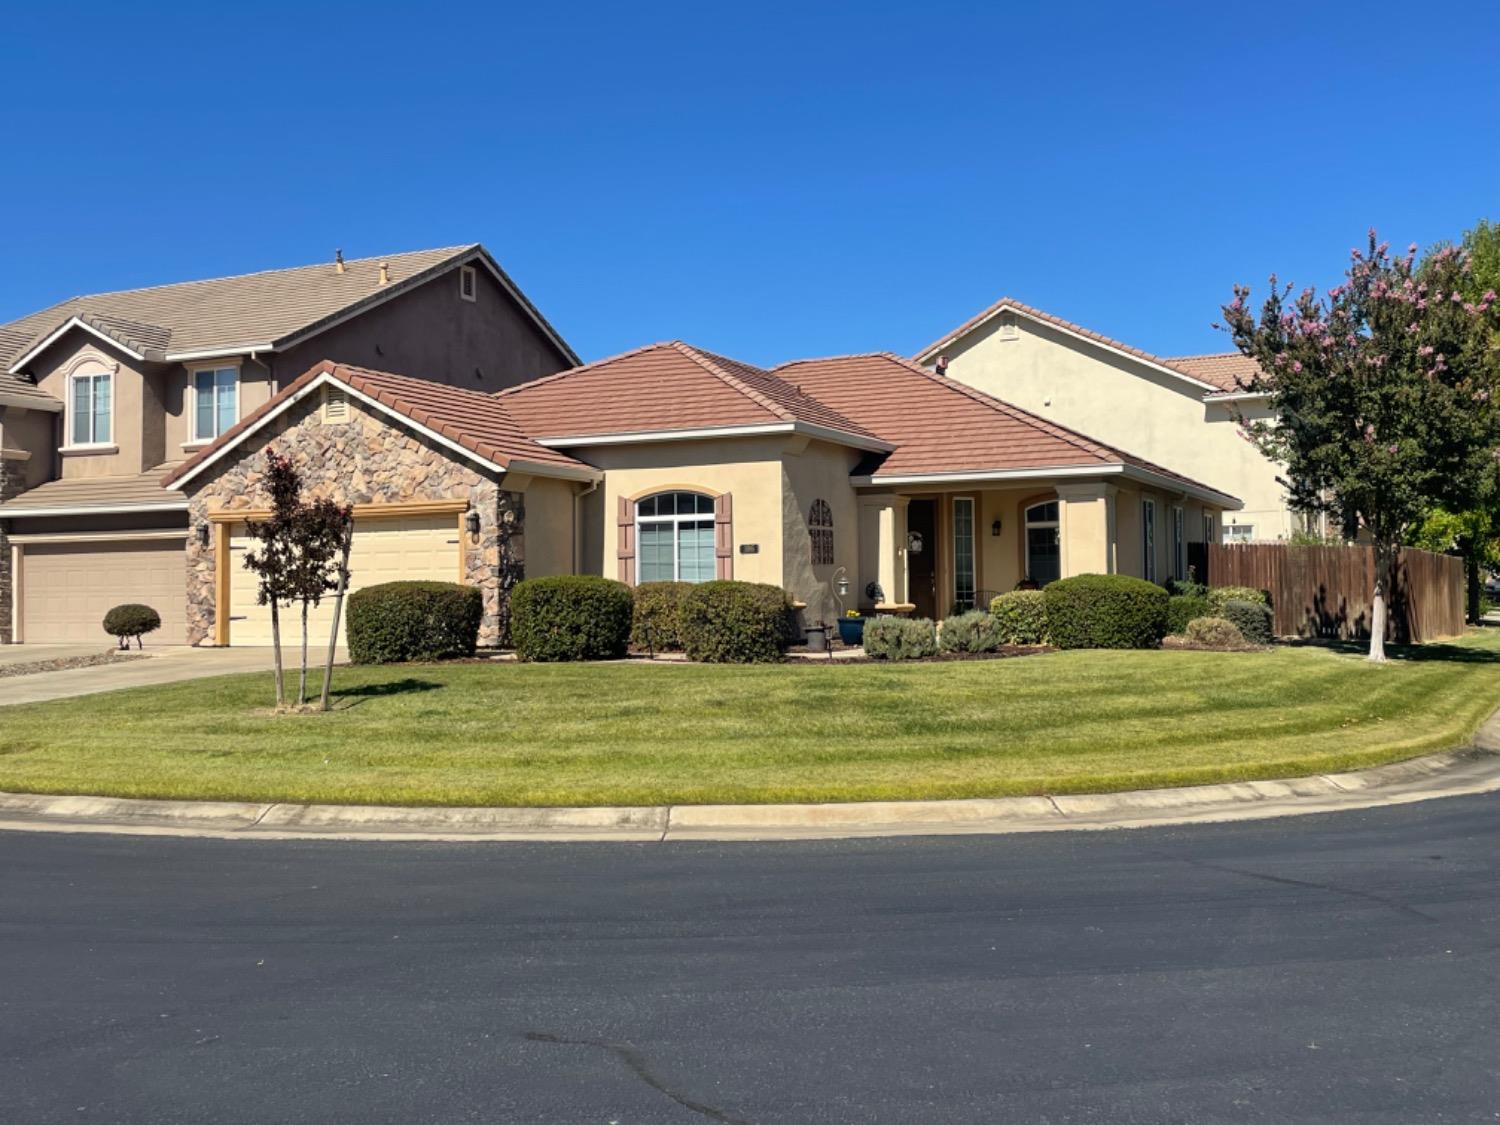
1168	483
92	510
990	475
98	536
217	353
758	429
562	472
1235	396
67	326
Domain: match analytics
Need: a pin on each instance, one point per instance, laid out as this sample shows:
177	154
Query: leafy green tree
1381	395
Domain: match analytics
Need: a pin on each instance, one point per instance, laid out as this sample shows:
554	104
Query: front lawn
506	734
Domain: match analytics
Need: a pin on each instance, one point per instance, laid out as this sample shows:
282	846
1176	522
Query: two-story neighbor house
1184	412
101	396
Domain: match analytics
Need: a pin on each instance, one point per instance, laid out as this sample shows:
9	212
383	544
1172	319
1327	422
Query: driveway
163	665
1336	968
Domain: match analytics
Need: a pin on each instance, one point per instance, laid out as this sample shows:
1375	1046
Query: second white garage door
384	550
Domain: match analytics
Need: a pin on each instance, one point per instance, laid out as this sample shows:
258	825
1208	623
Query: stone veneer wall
368	459
11	483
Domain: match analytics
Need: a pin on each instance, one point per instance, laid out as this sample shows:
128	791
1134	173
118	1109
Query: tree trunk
1475	587
302	675
338	607
276	654
1385	566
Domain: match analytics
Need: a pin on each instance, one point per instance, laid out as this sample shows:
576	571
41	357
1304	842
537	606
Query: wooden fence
1326	591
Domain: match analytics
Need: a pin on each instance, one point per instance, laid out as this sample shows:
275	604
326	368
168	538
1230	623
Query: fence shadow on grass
1416	654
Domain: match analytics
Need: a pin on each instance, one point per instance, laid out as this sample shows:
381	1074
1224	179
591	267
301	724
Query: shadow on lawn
357	695
1416	654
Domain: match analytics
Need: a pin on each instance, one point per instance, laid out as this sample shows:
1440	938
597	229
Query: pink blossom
1425	349
1296	365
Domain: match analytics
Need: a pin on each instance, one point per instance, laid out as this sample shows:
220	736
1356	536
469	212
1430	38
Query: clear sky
768	180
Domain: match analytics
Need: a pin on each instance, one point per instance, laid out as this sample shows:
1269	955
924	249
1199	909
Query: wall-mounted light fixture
995	528
471	524
202	530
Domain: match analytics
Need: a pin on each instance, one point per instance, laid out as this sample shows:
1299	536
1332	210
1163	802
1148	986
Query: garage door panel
67	588
383	550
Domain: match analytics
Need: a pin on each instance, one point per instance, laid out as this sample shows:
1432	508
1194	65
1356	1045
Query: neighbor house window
675	537
216	401
820	532
1148	539
1179	545
1043	551
1208	529
1239	533
963	553
92	411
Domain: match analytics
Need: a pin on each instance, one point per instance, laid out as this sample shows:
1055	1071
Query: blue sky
767	180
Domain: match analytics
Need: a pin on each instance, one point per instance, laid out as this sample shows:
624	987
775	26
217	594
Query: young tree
1382	395
319	533
274	561
341	585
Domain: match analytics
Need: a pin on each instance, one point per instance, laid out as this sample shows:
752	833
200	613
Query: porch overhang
1045	475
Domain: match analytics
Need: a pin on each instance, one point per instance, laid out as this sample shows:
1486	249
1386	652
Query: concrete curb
1456	773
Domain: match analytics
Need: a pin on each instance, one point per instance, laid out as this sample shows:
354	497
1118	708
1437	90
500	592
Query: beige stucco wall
820	471
75	351
1124	403
549	525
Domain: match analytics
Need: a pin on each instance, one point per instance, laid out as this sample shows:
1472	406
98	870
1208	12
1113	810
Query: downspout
270	371
578	519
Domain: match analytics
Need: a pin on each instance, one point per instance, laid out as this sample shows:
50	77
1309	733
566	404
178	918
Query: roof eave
39	401
95	509
708	433
19	364
1165	481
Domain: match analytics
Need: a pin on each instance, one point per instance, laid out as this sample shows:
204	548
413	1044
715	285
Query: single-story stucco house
854	482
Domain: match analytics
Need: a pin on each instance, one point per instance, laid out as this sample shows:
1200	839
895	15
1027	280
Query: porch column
883	545
1086	528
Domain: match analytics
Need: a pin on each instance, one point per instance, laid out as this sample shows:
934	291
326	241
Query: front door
921	556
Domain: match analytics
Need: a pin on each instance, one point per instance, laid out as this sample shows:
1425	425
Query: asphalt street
1330	968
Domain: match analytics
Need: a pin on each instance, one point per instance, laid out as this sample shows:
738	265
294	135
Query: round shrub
657	622
900	638
570	617
400	621
1214	632
131	620
1220	596
1253	620
1106	611
726	622
1182	608
1021	617
974	631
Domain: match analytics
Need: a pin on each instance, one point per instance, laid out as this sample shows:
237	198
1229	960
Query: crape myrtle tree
1381	395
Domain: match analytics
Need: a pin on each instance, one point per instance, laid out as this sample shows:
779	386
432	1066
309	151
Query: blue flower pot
852	630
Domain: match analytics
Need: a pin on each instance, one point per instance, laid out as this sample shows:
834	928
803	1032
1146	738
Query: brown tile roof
473	420
1010	303
261	309
1227	371
940	425
143	490
671	386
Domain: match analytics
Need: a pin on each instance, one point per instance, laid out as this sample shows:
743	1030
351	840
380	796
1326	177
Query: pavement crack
637	1064
1051	800
265	812
1286	881
666	826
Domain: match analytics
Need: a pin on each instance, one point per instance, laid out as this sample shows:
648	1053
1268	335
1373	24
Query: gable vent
335	404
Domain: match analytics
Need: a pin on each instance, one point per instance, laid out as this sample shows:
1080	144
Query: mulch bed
32	667
1003	653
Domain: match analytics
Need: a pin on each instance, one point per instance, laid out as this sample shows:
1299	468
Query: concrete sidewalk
158	666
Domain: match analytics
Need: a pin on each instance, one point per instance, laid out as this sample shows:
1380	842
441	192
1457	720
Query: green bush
1214	632
900	638
1106	611
1021	617
131	620
657	624
570	617
1181	587
724	622
399	621
1220	596
974	631
1182	608
1254	620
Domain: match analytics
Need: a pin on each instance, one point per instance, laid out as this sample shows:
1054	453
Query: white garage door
384	550
67	588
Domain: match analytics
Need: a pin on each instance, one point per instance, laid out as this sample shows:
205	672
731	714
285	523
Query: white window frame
468	283
1239	532
1179	543
90	367
973	547
1148	538
1028	523
194	437
676	520
1208	528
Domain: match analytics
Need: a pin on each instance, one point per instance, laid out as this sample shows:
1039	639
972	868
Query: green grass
506	734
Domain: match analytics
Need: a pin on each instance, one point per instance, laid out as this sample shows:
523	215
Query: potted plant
852	627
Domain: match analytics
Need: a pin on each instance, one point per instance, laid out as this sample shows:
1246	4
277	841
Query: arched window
675	537
820	532
1043	550
90	409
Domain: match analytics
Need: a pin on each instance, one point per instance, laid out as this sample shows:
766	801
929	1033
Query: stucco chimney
338	260
385	273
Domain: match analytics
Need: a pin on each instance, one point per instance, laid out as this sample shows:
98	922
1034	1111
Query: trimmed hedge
1220	596
900	638
725	622
570	617
1106	611
1181	587
131	620
974	631
1021	617
1214	632
400	621
1254	620
1183	608
657	624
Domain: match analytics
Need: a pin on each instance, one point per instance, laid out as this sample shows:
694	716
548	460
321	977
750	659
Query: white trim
99	536
67	326
755	429
194	438
973	503
467	274
675	521
94	510
1179	543
1155	365
1027	523
218	353
17	592
1235	396
76	372
92	447
1161	480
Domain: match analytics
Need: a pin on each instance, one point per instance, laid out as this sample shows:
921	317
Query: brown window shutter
626	541
724	536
